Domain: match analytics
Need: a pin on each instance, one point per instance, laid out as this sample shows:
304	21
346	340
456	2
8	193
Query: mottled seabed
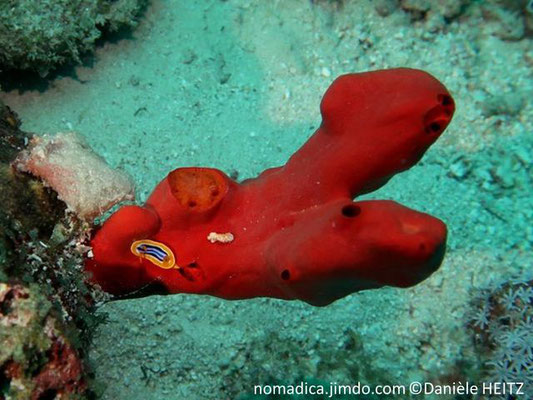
236	85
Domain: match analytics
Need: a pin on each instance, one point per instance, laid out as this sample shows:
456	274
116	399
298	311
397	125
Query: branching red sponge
294	232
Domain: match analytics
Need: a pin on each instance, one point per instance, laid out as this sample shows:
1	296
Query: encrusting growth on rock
47	307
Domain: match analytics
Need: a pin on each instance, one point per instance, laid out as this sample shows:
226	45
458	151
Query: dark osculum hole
445	100
351	211
435	127
285	275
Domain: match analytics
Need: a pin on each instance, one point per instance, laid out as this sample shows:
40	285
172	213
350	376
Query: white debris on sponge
214	237
81	178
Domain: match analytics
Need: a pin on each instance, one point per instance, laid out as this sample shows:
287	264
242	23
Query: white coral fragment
81	178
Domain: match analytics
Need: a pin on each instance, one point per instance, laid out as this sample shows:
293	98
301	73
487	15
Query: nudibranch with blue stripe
155	252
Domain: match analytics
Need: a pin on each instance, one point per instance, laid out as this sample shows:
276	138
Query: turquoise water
236	85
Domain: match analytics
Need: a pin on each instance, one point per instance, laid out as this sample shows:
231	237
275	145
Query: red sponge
294	232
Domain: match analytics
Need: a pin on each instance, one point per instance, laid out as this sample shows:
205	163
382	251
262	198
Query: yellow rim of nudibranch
155	252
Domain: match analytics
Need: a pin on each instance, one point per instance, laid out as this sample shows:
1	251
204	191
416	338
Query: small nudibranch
155	252
214	237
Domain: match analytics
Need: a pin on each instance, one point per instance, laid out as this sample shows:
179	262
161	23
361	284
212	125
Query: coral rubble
47	311
41	35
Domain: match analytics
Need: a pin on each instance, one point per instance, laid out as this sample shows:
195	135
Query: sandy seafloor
236	85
